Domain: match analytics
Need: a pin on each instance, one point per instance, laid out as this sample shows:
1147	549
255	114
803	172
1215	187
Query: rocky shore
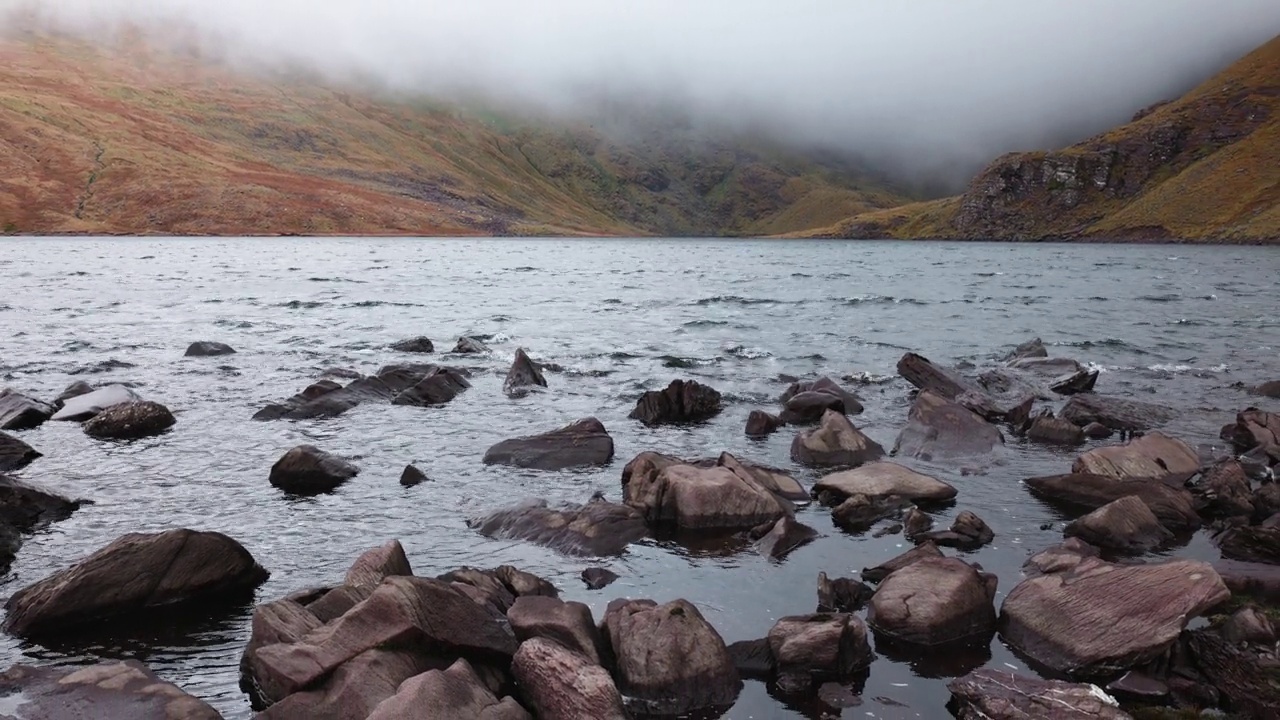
1111	625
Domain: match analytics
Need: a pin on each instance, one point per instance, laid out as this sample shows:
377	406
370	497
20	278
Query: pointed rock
938	429
598	578
19	412
1081	381
1126	525
785	535
523	376
836	442
844	595
412	476
683	401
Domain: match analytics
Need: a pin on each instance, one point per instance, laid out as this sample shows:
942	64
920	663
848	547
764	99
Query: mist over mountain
928	90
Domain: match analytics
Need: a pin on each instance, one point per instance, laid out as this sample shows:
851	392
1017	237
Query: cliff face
1205	167
124	138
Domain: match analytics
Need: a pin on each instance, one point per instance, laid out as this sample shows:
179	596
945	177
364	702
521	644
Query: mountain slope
126	139
1205	167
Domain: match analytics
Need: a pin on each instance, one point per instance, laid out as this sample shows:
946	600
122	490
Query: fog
930	89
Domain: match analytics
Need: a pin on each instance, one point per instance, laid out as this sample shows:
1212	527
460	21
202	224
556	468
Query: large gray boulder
939	429
119	690
136	572
308	470
834	443
1115	413
19	412
988	694
583	443
934	601
597	528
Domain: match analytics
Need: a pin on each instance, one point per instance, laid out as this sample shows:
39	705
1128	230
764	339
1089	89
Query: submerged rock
1126	525
14	453
761	424
581	444
439	387
809	407
938	429
421	344
967	532
989	694
934	601
597	528
1096	618
470	346
916	554
834	443
120	690
308	470
682	401
206	348
844	595
83	407
1097	431
857	513
130	421
1081	381
1115	413
598	578
849	402
19	412
75	389
783	536
136	572
879	479
417	385
1269	389
1055	431
523	376
1029	349
1154	455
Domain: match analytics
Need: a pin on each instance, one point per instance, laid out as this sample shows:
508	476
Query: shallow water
1172	324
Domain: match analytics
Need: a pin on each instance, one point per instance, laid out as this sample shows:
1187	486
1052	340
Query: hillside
126	139
1205	167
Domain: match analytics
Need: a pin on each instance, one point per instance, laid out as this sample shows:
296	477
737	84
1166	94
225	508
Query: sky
928	88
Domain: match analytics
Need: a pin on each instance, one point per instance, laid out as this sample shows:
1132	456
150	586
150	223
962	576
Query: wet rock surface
579	444
683	401
1000	695
125	690
1151	456
130	421
669	492
595	528
14	453
934	601
308	470
938	429
19	412
882	479
1125	525
1115	413
524	376
208	348
834	443
86	405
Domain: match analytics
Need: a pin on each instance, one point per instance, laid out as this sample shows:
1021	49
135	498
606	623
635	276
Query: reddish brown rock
682	401
308	470
916	554
1115	413
525	374
879	479
106	691
934	601
834	443
560	684
967	532
1154	455
810	648
1172	506
596	528
761	424
989	694
567	623
785	535
1224	490
455	693
669	492
1055	431
580	444
939	429
1126	525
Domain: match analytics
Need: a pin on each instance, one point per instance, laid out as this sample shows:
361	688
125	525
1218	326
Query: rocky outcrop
940	429
25	508
307	470
761	424
417	385
122	690
834	443
967	532
808	649
989	694
597	528
456	693
920	552
470	346
809	407
420	344
1223	490
668	659
437	388
83	407
780	538
1048	367
1250	543
1096	618
19	412
567	623
581	444
1255	429
15	454
1125	525
561	684
880	479
683	401
857	513
1153	455
136	572
354	690
776	481
1115	413
1172	506
934	601
1029	349
207	348
671	493
524	376
928	377
130	421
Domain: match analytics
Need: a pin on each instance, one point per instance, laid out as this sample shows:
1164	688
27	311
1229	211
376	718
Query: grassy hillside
1204	167
122	139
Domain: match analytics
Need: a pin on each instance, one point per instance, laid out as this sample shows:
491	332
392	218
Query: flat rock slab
1154	455
83	407
1173	506
885	478
938	428
1098	618
584	443
1115	413
597	528
106	691
988	694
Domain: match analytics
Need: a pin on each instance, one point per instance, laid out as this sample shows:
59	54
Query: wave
1104	343
1179	368
1160	298
704	323
868	378
302	304
880	300
381	303
238	324
740	300
747	353
672	361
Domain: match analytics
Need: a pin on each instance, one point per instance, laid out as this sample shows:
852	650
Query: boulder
922	373
136	572
753	659
1115	413
1055	431
470	346
206	348
295	404
1154	455
1125	525
1172	506
1248	543
456	693
560	684
14	453
567	623
776	481
938	428
670	493
967	532
597	528
437	388
1249	625
83	407
857	513
27	507
836	442
783	536
354	689
761	424
75	389
811	648
1047	366
1097	431
914	555
523	376
915	523
1255	429
1098	618
281	621
683	401
1081	381
880	479
989	694
826	386
669	660
934	601
420	344
1019	416
1224	490
500	587
374	566
597	578
19	412
1059	558
1029	349
118	690
401	613
130	421
412	476
583	443
1248	578
844	595
809	407
307	470
1269	389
